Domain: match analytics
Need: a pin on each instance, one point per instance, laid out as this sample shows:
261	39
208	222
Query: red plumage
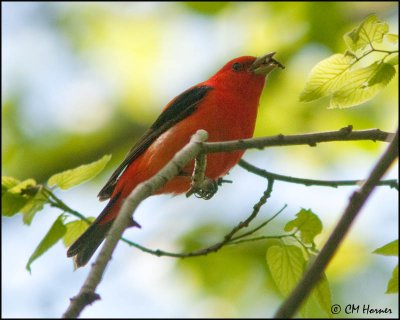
224	105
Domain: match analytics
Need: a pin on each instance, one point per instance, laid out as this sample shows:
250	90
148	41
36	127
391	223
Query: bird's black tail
85	246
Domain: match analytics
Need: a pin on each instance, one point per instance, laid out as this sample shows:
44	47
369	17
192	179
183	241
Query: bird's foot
206	189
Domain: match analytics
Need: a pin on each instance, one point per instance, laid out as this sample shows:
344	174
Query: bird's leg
201	186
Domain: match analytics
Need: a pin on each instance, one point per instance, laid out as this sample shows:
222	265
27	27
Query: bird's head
247	69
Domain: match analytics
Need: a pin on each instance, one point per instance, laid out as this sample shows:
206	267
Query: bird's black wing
181	107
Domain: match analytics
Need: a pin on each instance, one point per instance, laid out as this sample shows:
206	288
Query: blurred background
80	80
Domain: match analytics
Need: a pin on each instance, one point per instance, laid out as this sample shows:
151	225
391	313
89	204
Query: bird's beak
265	64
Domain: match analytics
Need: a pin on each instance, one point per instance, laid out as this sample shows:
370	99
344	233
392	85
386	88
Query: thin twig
357	201
392	183
262	225
227	238
259	238
56	202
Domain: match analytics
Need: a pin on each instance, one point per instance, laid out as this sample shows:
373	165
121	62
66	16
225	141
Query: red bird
224	105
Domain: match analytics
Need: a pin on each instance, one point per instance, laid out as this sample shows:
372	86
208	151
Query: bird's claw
205	190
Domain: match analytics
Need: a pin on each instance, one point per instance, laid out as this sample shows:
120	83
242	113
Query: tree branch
311	139
200	164
357	200
87	293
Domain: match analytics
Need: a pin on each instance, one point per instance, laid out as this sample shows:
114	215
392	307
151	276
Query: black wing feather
181	107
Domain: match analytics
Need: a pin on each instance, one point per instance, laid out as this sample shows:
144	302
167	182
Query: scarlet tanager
224	105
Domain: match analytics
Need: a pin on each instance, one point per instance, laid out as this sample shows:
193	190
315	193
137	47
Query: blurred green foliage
128	45
230	278
148	53
207	8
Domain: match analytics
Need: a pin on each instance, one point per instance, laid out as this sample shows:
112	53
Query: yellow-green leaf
383	75
308	224
362	85
12	203
34	205
393	38
13	199
286	264
393	60
370	31
319	302
74	230
322	293
22	185
55	233
393	284
70	178
390	249
7	183
326	77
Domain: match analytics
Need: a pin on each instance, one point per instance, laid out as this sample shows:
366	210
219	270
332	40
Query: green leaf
393	60
70	178
8	183
394	38
307	223
20	187
25	197
74	230
383	75
326	77
14	197
363	84
390	249
370	31
12	203
286	264
393	284
322	294
55	233
341	75
33	206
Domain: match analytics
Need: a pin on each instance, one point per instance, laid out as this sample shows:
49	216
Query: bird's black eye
237	66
